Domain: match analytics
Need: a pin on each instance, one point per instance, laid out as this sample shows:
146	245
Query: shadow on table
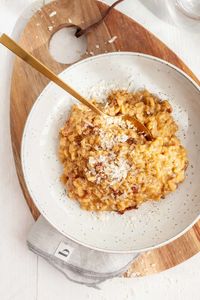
158	8
167	11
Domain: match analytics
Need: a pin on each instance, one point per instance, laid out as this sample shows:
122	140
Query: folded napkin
78	263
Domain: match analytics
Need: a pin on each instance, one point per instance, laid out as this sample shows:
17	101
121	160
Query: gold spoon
40	67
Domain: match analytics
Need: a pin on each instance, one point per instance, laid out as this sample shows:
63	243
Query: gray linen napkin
78	263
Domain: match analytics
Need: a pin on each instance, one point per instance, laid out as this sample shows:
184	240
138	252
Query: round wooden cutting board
27	84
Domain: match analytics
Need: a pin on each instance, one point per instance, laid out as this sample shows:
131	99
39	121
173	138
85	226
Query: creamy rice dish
108	165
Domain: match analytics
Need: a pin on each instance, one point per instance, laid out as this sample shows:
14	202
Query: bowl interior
154	223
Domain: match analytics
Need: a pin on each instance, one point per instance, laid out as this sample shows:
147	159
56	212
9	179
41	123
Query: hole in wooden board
65	48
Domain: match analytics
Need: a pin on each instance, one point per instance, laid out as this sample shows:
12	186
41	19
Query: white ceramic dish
153	224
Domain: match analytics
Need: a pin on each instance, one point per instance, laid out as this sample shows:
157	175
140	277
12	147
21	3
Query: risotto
108	165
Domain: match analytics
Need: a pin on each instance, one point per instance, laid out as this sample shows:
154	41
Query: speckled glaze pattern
153	224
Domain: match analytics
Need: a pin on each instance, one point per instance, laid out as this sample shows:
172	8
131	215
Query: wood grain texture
27	84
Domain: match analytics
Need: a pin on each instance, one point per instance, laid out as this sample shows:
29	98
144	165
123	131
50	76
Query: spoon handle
40	67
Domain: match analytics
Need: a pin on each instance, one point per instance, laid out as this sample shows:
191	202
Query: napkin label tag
64	251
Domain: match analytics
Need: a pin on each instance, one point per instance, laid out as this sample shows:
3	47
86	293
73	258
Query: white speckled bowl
153	224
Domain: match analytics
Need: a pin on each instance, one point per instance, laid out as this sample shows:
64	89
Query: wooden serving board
27	84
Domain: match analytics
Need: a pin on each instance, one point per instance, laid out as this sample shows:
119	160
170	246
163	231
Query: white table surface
22	274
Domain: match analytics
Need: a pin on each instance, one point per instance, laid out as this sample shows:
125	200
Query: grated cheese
50	28
52	14
108	140
114	170
112	39
100	91
115	121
